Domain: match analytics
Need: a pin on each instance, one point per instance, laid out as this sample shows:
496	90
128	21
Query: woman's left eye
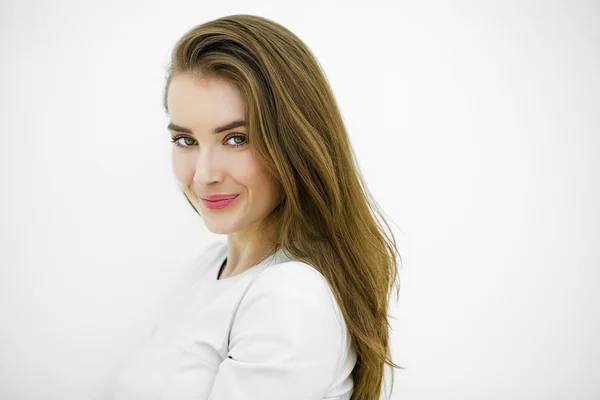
237	136
175	139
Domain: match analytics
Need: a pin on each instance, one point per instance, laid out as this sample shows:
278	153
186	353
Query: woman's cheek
183	168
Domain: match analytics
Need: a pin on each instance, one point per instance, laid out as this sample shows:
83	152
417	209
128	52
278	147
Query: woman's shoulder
292	270
296	284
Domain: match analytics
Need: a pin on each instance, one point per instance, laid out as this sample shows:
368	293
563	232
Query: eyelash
175	140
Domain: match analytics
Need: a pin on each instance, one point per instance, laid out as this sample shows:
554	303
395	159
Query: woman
293	305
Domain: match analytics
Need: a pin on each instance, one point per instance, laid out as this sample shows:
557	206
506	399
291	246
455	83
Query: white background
477	128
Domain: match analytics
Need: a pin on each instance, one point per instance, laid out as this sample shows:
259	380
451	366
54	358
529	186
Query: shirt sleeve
286	340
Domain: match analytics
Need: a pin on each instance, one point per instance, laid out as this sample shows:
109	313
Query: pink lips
219	201
215	197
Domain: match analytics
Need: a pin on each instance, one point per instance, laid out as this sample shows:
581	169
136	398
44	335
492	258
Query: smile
218	204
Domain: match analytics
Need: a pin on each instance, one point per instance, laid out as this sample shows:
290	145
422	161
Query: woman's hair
326	217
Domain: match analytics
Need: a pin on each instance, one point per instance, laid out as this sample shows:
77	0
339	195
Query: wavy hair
327	218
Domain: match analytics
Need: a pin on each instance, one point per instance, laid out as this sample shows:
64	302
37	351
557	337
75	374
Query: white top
273	331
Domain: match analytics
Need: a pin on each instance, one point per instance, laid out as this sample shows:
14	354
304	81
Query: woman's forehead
206	104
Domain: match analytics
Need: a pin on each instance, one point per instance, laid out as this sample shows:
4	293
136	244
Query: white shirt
274	331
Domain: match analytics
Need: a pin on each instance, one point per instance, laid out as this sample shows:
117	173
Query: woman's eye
176	139
237	144
189	142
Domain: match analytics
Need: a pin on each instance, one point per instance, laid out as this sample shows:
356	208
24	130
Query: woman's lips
215	197
218	204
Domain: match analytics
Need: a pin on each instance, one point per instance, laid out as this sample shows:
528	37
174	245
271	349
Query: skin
211	164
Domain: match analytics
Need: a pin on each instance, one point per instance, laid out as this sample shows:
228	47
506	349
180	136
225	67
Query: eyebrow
219	129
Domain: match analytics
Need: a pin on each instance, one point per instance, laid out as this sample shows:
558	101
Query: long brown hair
327	217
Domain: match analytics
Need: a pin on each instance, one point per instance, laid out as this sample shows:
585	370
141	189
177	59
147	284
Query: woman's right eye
175	139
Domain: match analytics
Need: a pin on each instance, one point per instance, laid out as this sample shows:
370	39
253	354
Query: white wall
476	125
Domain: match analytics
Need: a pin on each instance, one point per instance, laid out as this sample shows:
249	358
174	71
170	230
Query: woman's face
210	163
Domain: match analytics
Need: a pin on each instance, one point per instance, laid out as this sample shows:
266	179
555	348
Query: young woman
293	305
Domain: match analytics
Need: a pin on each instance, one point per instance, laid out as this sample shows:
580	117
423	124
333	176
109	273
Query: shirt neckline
222	256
